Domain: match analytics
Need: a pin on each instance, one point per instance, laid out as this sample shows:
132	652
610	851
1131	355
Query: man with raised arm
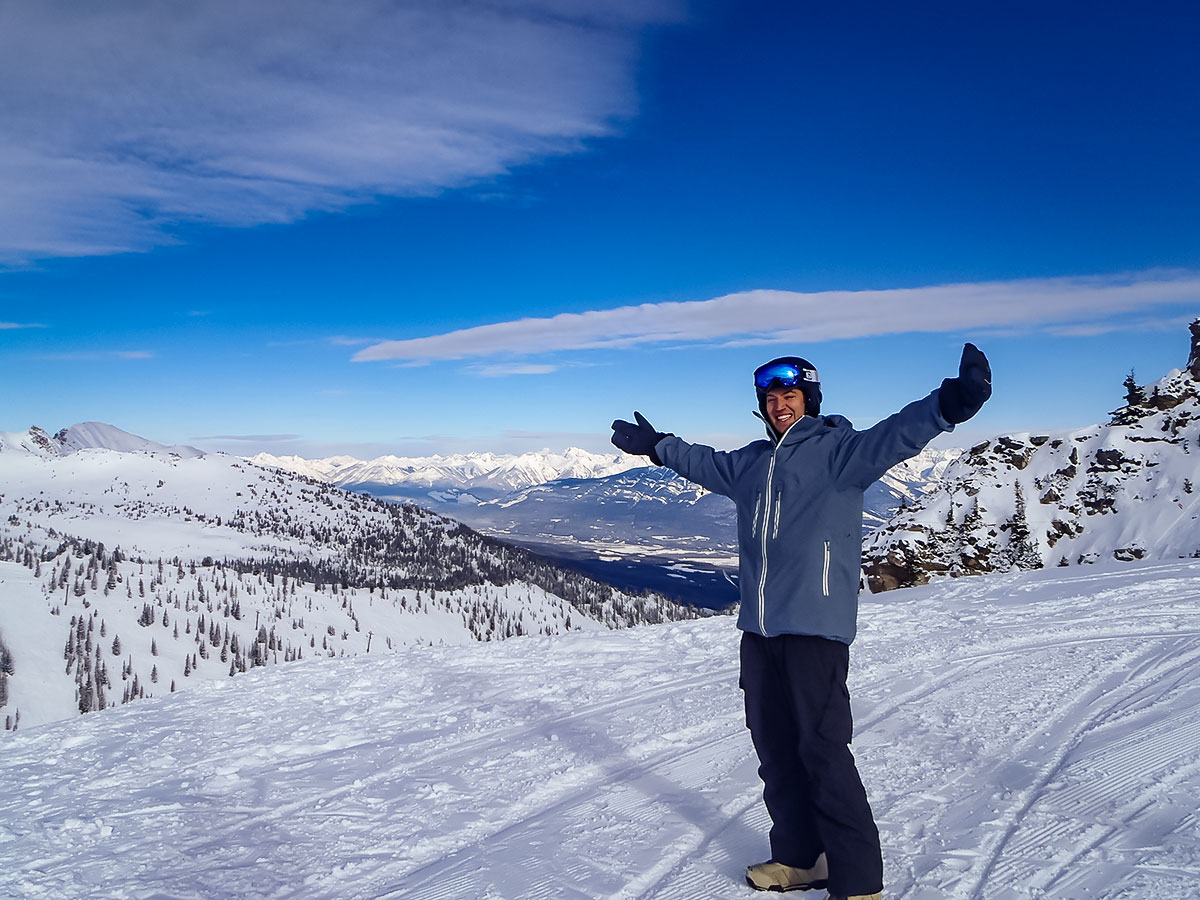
799	498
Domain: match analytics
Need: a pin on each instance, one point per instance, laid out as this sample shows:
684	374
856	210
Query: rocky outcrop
1193	363
1120	491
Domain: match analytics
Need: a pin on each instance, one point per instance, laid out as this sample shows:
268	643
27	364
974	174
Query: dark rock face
1193	363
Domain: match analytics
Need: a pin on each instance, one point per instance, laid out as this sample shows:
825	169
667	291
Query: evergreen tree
1135	394
1022	548
7	666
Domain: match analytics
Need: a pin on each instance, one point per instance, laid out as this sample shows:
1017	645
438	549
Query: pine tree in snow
7	667
1022	547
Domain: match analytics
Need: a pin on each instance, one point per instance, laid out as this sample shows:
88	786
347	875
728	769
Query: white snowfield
1021	735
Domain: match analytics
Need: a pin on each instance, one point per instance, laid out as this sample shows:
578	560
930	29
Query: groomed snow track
1033	735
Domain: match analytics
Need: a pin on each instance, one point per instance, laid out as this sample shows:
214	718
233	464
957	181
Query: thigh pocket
837	723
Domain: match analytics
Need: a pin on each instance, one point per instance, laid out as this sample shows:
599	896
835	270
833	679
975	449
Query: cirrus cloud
772	316
122	119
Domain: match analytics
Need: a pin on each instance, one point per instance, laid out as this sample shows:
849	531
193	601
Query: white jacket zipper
778	504
762	578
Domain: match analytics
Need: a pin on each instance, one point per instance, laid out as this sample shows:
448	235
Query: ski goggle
783	374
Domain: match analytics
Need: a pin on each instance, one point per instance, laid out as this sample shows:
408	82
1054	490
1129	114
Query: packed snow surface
1021	735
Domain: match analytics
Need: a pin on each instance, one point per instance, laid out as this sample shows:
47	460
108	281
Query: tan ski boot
773	876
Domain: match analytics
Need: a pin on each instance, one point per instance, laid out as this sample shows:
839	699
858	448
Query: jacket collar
798	430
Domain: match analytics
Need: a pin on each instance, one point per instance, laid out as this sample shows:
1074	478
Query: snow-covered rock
1121	490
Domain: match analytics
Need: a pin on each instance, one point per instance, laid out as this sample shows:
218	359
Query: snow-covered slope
131	573
1123	490
100	436
1024	735
904	484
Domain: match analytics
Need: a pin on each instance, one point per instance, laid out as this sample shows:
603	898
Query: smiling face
785	407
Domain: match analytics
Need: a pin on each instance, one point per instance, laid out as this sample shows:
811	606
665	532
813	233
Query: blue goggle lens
782	374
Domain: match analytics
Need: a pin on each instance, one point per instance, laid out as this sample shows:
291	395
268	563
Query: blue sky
422	227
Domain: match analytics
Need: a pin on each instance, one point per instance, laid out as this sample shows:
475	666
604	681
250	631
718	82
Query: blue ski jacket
799	501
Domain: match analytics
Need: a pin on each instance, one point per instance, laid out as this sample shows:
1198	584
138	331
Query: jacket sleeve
863	456
715	470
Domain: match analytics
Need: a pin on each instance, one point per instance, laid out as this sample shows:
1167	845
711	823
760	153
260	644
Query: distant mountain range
473	477
583	504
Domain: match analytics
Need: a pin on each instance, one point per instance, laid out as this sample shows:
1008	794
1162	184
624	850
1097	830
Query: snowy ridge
126	574
1122	490
1022	735
488	474
88	435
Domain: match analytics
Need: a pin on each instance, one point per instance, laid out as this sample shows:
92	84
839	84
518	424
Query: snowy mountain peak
98	435
34	442
87	436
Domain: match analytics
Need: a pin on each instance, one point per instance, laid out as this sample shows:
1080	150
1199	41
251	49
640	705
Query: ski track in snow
1028	735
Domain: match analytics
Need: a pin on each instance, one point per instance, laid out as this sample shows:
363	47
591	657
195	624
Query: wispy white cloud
770	317
502	370
97	355
1167	324
121	119
10	326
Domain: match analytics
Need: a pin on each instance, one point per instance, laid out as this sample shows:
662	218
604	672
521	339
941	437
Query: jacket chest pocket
767	513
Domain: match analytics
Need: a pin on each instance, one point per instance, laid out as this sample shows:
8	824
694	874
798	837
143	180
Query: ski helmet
789	371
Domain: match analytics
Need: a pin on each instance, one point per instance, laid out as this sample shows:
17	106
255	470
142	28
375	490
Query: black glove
962	397
637	439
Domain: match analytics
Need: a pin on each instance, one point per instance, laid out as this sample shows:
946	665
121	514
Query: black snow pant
798	713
